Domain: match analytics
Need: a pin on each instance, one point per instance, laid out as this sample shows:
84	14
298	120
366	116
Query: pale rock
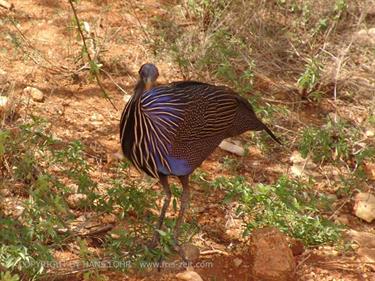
126	98
237	262
301	166
366	242
74	200
365	36
189	275
271	257
36	94
115	236
232	148
364	239
3	102
86	27
367	254
190	252
96	118
296	157
370	133
369	169
328	251
6	5
62	230
364	206
18	210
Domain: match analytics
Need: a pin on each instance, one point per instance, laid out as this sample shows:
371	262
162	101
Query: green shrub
47	170
333	142
289	205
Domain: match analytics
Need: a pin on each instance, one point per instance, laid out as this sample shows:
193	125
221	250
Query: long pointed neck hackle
139	88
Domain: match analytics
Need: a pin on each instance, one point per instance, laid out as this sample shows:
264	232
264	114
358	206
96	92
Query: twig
114	82
6	5
284	102
139	22
283	128
341	206
99	230
213	251
303	261
89	56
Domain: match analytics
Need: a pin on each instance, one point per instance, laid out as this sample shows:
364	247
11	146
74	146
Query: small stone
365	36
36	94
301	166
96	117
86	27
3	101
115	236
296	157
367	254
232	148
109	219
189	275
6	5
369	169
237	262
364	239
19	211
364	206
74	200
126	98
271	258
370	133
190	252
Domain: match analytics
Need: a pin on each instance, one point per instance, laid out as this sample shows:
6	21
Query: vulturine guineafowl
169	130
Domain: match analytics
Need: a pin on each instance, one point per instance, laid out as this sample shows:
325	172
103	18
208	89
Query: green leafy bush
48	172
334	142
289	205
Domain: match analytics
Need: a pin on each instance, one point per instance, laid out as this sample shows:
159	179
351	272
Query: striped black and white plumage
171	129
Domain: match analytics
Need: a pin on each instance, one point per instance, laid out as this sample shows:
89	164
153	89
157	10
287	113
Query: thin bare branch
105	94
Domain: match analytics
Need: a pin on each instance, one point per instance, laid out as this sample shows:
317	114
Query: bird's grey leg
184	204
167	200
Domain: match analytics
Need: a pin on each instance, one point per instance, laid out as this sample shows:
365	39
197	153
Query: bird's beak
149	83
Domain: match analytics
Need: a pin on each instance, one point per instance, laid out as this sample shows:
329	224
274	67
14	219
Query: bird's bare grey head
148	73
